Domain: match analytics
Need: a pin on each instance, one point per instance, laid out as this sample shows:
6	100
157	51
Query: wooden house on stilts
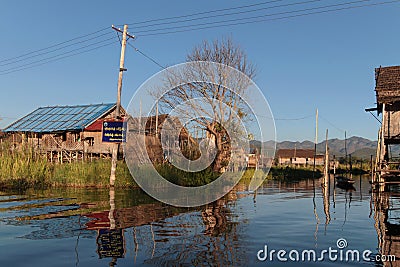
64	133
387	88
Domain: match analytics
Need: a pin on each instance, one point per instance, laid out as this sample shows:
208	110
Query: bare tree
212	93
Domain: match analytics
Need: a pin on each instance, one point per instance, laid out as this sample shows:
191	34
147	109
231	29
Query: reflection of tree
214	218
387	224
216	244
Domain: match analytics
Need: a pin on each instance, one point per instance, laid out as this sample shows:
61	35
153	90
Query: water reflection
386	213
154	227
125	227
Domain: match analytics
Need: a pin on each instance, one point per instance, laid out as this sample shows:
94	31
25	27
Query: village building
387	89
298	157
64	133
151	128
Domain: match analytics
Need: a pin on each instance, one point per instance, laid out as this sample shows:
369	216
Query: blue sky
323	61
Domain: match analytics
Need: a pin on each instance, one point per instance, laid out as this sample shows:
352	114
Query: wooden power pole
117	115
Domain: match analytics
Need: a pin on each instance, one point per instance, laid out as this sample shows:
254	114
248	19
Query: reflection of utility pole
118	106
112	208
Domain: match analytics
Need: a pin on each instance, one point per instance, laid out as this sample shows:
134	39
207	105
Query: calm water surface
62	227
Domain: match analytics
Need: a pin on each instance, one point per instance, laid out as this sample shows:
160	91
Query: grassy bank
24	168
180	177
289	173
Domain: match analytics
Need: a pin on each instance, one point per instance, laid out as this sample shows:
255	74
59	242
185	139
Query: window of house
90	140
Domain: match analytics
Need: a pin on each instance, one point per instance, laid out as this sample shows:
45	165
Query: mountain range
356	146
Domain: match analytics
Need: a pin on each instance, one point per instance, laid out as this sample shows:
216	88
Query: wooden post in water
382	144
316	141
325	185
326	169
334	165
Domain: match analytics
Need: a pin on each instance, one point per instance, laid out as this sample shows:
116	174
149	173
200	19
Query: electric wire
155	32
58	55
176	29
28	66
224	15
202	13
147	56
55	45
330	123
53	50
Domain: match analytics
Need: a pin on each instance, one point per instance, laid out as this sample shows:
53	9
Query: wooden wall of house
319	160
93	143
12	138
392	121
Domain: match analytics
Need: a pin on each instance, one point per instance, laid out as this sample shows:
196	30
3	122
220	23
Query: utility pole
117	114
157	119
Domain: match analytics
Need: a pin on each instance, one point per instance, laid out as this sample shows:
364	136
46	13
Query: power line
154	31
55	56
28	66
226	14
224	22
202	13
285	119
20	58
330	123
177	29
55	45
146	56
294	119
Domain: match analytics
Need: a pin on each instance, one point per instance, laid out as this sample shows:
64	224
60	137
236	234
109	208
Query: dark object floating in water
344	180
345	183
346	186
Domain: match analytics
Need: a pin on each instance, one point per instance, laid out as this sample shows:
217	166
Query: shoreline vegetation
24	168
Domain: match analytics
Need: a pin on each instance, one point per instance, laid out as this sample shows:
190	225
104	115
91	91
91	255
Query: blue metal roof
60	118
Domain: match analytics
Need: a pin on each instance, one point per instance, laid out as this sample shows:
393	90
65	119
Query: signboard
113	132
110	243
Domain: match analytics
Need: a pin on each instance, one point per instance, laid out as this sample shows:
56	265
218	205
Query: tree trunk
219	157
220	139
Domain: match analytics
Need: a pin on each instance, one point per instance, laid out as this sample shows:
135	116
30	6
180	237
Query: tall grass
23	167
183	178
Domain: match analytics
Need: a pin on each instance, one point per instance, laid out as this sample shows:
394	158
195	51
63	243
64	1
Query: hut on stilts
387	88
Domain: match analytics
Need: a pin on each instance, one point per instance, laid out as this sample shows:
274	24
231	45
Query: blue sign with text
113	132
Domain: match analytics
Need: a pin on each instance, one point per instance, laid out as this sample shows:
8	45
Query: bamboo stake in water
316	141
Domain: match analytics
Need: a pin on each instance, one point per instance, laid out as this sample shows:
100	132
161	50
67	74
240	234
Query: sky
321	61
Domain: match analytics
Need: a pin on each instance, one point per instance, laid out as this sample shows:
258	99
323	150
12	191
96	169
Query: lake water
74	227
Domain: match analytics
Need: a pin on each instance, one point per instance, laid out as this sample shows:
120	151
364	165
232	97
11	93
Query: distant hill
356	146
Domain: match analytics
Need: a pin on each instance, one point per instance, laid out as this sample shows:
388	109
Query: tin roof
60	118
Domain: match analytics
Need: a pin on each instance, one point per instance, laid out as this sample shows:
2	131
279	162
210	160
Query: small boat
344	180
346	186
